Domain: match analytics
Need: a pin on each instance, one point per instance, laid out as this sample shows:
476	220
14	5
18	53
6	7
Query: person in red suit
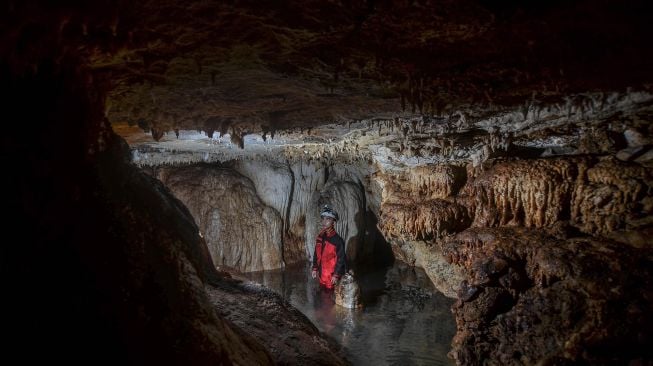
329	257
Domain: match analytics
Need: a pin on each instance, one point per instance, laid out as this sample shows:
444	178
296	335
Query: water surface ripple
404	321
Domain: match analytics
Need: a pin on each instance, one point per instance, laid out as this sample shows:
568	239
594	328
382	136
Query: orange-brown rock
530	288
613	195
530	298
427	182
425	220
597	195
531	193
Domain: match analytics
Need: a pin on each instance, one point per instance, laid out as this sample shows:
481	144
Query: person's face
326	222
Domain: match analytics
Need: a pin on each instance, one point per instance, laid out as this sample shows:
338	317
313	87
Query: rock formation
242	218
530	298
505	148
240	230
535	184
347	292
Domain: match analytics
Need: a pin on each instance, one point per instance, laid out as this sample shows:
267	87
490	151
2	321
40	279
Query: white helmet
327	211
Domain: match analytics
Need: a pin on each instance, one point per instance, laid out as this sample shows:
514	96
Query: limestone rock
240	230
423	220
632	153
634	137
281	329
531	193
123	252
646	158
423	183
309	178
277	187
347	292
444	275
612	196
273	183
529	298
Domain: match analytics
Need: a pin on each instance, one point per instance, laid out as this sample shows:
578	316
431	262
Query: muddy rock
553	301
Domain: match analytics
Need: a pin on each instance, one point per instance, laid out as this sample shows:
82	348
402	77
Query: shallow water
404	319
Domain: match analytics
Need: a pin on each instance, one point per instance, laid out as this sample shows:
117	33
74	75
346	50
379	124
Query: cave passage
404	319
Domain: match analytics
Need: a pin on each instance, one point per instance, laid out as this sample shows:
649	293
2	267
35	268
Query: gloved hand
314	273
334	280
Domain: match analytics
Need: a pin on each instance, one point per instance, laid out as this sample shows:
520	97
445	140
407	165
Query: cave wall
100	263
512	215
548	257
106	266
553	252
530	297
240	230
260	215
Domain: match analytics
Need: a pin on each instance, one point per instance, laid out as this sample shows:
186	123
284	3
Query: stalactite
157	133
525	193
423	220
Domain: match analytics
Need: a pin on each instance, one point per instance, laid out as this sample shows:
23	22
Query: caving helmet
327	211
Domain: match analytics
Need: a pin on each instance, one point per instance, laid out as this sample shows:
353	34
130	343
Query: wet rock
559	297
513	280
488	270
240	230
646	158
284	332
347	292
422	220
634	153
278	187
467	292
529	193
636	138
308	178
611	197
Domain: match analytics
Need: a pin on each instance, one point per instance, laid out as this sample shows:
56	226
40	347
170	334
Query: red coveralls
329	257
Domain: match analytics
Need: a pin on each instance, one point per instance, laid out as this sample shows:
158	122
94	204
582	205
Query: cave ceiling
244	67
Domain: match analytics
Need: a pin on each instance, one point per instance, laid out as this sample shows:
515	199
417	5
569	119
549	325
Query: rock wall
531	298
261	215
596	195
418	207
543	255
613	196
275	184
427	182
105	265
531	193
562	174
309	179
240	230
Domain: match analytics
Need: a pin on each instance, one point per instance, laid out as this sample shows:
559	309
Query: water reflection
404	320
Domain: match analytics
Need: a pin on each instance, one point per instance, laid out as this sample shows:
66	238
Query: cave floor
404	319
